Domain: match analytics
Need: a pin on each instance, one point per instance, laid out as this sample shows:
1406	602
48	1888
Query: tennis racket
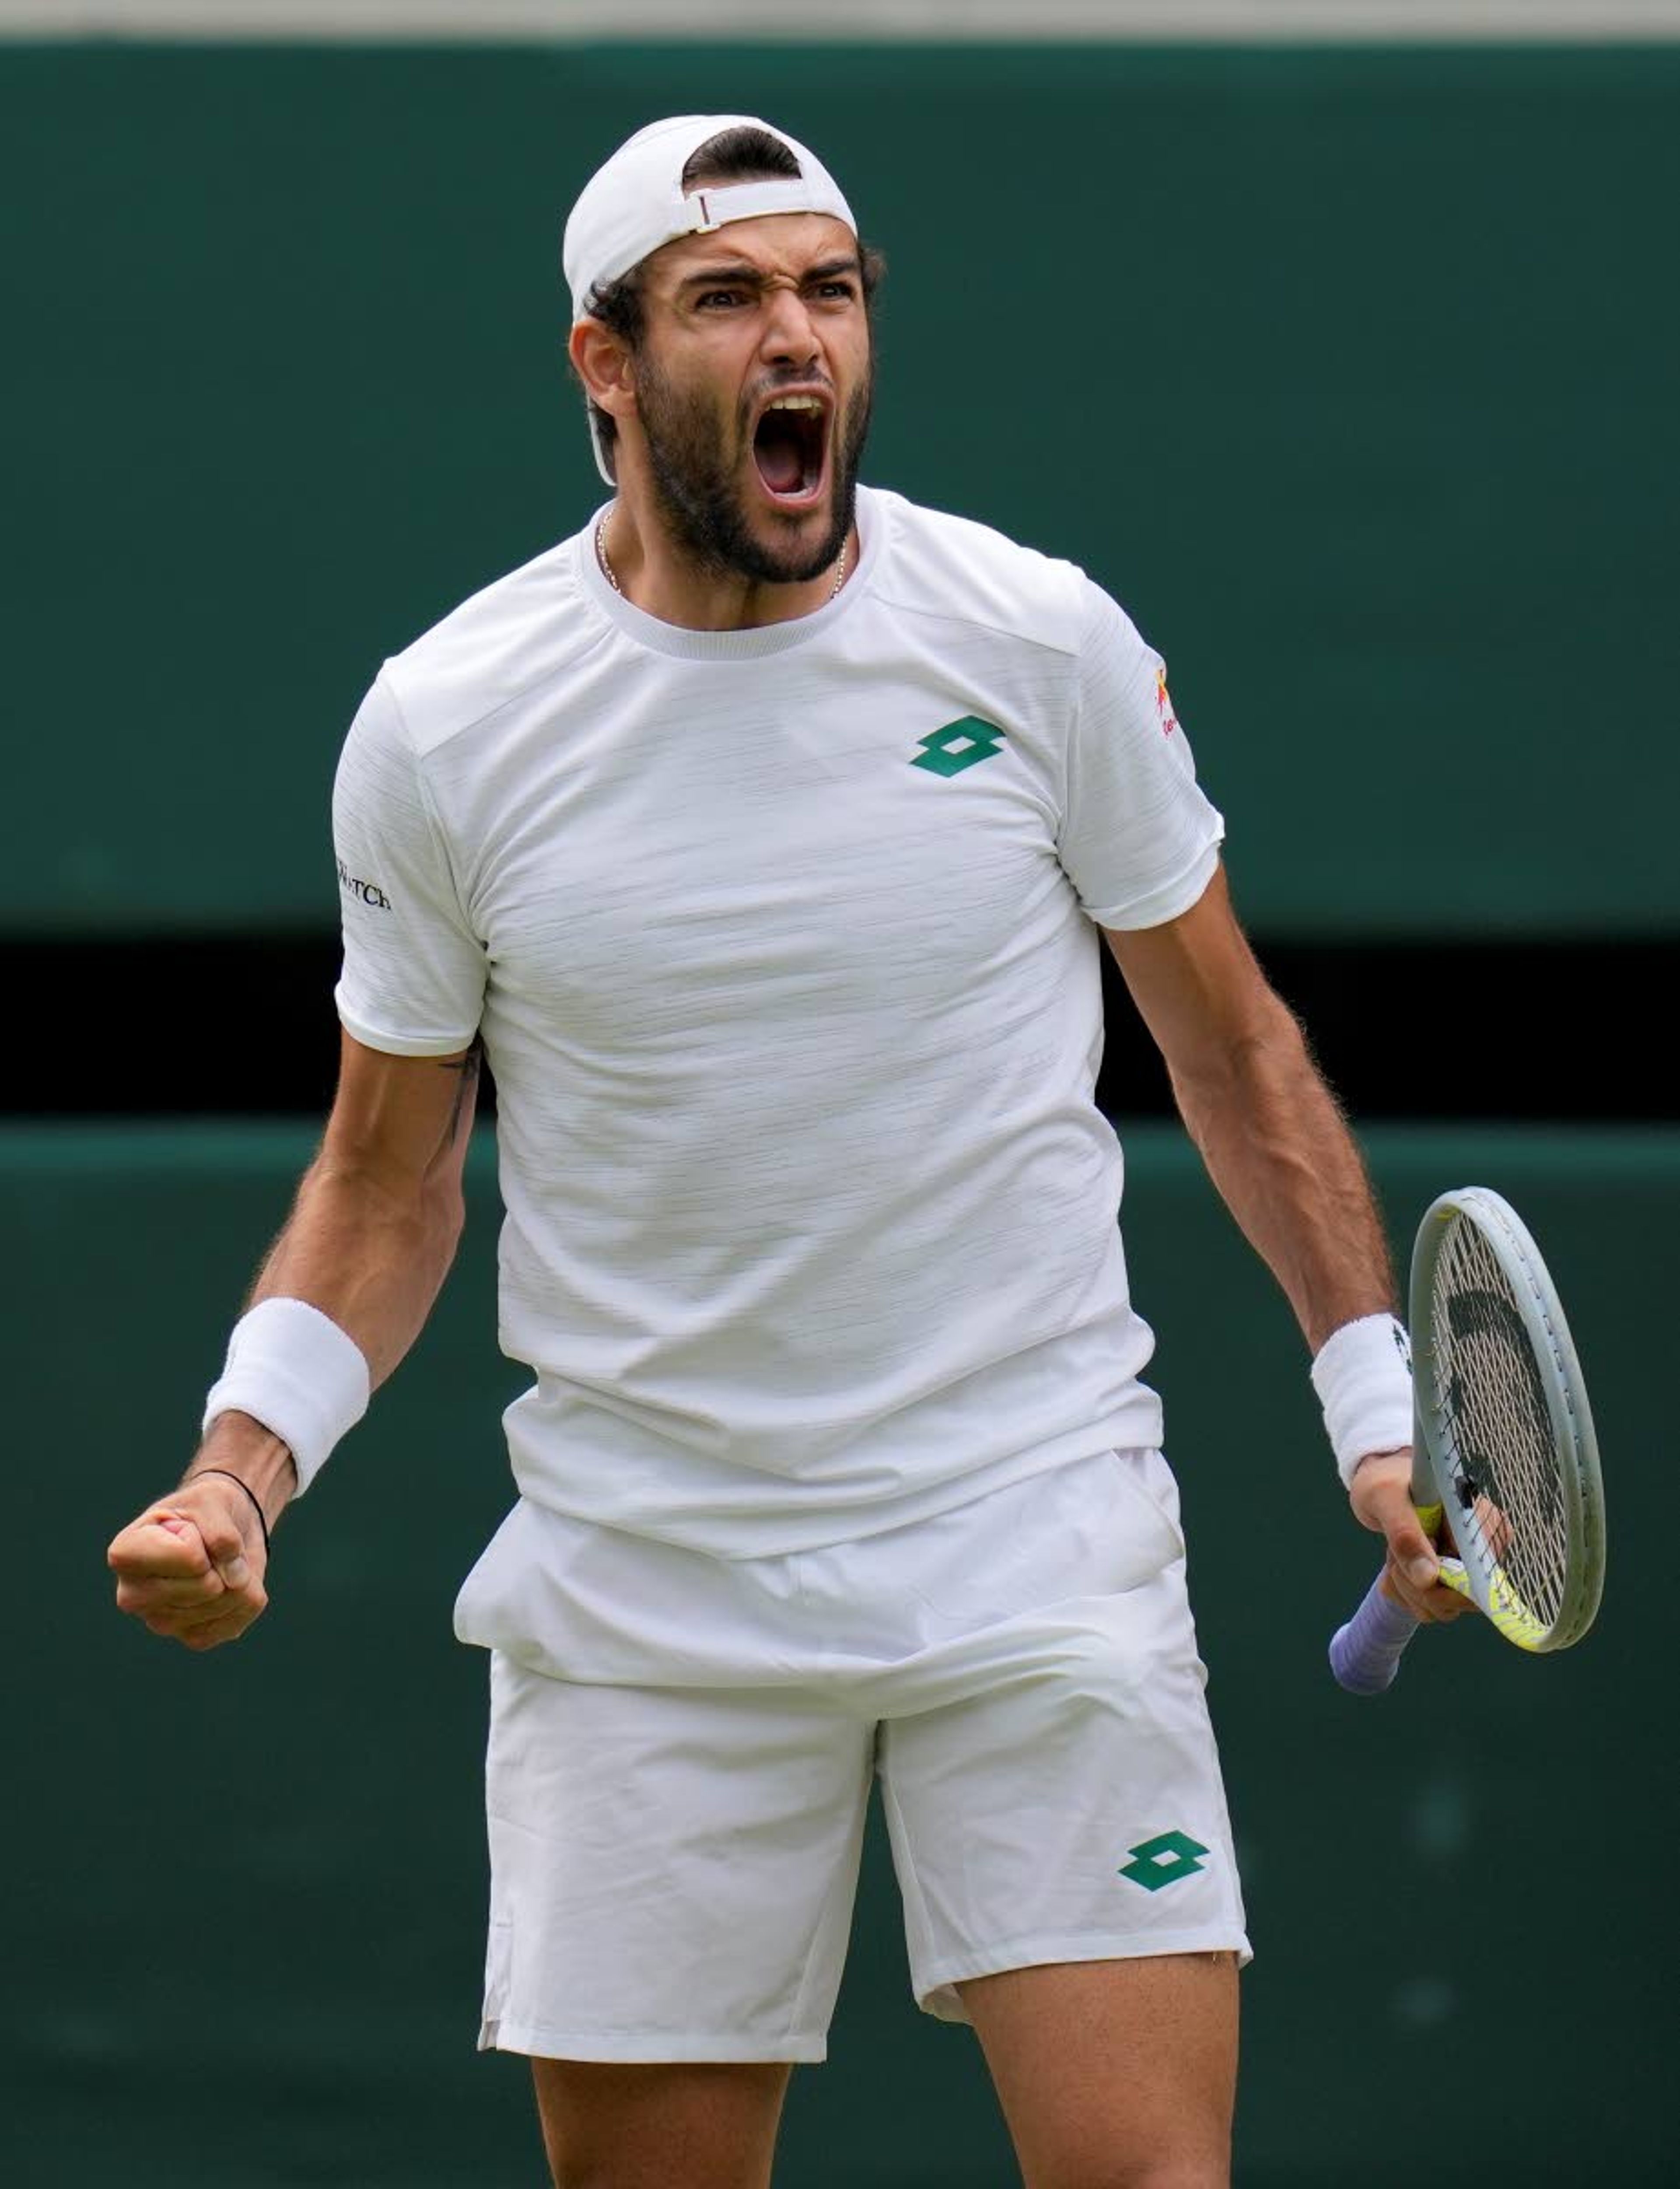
1503	1443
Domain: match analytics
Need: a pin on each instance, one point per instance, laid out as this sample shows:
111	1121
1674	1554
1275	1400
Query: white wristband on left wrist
1362	1374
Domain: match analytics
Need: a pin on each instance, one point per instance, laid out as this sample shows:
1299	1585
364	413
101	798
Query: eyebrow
745	276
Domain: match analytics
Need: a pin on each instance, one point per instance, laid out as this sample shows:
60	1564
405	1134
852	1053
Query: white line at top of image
1042	22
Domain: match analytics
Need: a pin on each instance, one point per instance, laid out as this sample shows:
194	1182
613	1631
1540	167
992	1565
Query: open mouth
790	449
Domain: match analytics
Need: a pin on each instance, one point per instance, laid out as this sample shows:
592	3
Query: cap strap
706	210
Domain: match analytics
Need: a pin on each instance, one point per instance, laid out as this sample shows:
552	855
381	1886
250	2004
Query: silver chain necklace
612	576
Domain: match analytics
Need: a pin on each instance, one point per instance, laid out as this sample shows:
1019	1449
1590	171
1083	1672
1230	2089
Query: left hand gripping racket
1504	1451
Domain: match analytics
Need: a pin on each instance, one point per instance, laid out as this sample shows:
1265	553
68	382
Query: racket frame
1438	1474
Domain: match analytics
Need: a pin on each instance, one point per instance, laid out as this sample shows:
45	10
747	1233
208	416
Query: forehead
785	243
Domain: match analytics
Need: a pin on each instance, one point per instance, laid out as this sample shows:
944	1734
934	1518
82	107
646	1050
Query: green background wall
248	1890
1350	373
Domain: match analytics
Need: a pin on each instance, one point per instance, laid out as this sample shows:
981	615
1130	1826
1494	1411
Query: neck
641	561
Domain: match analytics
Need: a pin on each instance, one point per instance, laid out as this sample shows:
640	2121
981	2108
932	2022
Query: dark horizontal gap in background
243	1026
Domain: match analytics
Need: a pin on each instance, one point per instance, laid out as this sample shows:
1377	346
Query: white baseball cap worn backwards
635	202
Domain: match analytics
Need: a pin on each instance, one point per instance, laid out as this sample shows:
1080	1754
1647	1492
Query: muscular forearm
371	1255
376	1218
372	1231
1278	1148
372	1258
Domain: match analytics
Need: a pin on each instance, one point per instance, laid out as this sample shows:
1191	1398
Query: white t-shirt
782	945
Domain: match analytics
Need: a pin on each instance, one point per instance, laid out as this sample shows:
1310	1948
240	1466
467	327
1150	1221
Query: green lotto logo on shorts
958	746
1163	1860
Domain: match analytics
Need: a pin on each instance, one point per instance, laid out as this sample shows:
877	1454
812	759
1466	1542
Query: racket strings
1497	1427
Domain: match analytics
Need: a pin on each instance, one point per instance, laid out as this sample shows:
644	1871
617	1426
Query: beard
698	493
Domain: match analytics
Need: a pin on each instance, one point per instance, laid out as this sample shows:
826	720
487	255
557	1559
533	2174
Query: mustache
773	384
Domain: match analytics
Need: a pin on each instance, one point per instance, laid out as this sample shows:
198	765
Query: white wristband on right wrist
1362	1374
292	1368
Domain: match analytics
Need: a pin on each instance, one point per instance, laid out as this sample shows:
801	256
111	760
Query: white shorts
674	1856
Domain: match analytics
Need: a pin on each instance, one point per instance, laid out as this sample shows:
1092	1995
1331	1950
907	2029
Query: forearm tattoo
468	1066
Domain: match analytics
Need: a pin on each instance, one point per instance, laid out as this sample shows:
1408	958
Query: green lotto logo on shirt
958	746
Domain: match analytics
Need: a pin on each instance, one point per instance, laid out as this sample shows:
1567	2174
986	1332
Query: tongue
778	460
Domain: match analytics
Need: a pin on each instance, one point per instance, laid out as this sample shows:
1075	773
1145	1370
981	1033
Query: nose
789	335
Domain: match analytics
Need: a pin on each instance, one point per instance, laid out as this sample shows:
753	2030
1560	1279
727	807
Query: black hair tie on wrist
257	1503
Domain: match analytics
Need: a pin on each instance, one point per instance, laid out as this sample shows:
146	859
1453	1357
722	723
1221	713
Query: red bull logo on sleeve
1169	720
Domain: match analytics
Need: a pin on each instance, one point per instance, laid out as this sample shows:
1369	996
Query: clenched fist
192	1566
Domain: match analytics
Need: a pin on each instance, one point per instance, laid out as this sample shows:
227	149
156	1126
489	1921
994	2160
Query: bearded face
762	487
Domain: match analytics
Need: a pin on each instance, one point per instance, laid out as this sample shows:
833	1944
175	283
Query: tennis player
764	836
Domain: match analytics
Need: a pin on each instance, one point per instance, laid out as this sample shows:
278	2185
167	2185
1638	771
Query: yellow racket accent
1511	1616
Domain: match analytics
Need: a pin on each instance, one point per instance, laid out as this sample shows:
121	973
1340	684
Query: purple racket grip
1365	1655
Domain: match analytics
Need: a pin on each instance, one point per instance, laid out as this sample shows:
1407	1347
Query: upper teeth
796	403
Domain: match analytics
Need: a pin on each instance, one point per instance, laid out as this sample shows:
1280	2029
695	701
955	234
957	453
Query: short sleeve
1139	840
413	982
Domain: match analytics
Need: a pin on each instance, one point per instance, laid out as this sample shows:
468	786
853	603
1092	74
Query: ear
603	362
